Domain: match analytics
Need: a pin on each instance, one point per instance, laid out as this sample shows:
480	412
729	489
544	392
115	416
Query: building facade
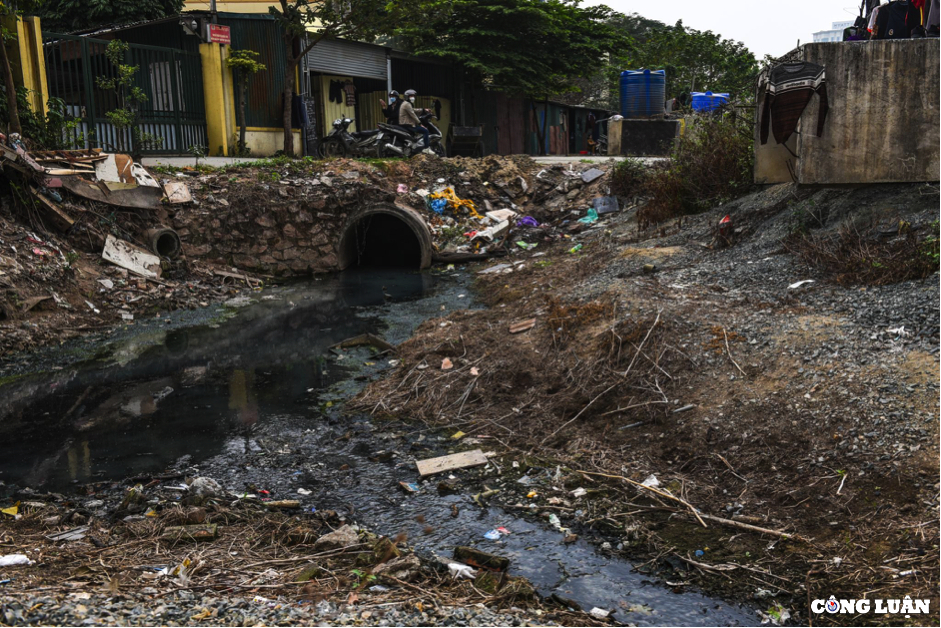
835	33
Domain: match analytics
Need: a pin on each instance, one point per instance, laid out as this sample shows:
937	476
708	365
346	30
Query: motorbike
340	142
600	146
397	141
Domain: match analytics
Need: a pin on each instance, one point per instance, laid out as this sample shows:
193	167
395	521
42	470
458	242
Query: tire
439	150
332	148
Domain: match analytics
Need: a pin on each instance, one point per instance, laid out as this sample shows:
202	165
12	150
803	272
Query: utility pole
213	17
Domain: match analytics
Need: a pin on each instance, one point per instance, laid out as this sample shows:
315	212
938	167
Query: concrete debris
405	568
206	487
130	257
342	537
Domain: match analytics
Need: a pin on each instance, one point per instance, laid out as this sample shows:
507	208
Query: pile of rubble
83	247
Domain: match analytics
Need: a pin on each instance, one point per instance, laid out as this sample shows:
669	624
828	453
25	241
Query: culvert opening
381	240
167	245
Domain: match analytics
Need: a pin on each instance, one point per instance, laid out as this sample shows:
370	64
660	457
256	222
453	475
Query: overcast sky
765	27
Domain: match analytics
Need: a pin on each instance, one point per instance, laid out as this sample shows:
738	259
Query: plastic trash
651	481
699	553
402	189
590	217
798	284
576	248
460	570
303	491
438	205
579	492
526	246
492	535
599	613
14	559
527	221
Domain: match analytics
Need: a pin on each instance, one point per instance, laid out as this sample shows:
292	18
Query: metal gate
171	80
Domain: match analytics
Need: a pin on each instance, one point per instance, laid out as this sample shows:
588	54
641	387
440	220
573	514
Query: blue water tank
707	101
643	93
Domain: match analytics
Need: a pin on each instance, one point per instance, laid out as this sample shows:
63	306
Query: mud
255	399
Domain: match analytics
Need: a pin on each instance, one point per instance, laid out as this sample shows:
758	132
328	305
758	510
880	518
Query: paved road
218	162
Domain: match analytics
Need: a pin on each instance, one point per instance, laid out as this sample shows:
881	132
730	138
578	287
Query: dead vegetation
305	558
869	256
612	393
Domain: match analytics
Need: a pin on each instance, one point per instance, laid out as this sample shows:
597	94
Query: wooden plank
61	220
521	326
460	460
201	532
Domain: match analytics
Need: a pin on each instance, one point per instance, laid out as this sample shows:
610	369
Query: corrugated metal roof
348	58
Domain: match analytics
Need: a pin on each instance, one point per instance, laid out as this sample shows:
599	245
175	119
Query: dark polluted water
250	397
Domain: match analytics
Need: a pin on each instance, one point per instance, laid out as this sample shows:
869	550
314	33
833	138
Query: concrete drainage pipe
385	235
163	241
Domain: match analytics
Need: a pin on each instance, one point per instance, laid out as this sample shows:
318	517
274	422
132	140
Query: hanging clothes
896	20
790	87
350	90
932	19
336	92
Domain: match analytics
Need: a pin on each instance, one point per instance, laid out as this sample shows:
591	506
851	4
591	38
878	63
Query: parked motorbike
340	142
397	141
600	146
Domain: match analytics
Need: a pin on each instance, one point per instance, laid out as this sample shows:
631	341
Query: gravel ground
185	608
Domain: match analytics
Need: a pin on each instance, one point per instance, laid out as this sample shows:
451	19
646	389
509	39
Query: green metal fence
171	79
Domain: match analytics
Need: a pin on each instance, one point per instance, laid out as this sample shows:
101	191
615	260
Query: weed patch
865	257
711	164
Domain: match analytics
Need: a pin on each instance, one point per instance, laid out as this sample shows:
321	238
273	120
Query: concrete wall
274	228
642	138
883	123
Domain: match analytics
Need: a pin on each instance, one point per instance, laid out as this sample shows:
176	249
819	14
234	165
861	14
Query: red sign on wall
219	34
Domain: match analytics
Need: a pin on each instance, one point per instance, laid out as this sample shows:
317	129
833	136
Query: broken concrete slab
606	205
130	257
462	460
591	175
405	568
344	536
177	192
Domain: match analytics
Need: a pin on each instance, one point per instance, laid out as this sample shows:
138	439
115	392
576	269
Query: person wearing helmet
409	119
392	111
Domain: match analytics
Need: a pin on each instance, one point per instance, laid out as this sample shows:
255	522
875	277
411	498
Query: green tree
72	15
350	19
528	47
127	96
697	60
245	63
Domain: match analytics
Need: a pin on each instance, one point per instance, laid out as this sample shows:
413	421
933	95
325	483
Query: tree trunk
13	110
242	123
